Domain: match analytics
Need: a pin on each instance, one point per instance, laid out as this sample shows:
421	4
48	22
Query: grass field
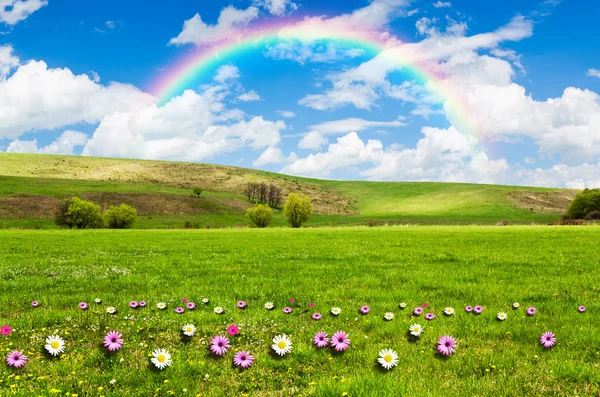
553	269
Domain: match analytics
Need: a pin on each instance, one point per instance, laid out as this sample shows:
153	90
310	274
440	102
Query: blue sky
75	78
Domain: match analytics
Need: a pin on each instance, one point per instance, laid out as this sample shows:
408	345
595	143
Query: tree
121	217
198	191
60	218
260	216
298	210
584	203
80	214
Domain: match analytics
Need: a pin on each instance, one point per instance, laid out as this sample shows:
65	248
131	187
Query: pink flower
35	303
531	311
548	339
190	305
340	341
113	341
446	345
83	306
292	300
581	309
241	304
6	330
184	300
365	309
417	311
219	345
469	309
311	305
243	359
179	310
16	359
143	304
287	310
321	340
429	316
133	304
478	309
425	304
317	316
233	330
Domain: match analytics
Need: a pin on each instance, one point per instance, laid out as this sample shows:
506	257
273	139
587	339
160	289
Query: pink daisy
16	359
417	311
425	304
143	304
184	300
429	316
6	330
179	310
581	309
113	341
190	305
446	345
317	316
311	305
133	304
548	339
241	304
233	330
478	309
469	309
292	300
321	340
35	303
365	309
83	306
340	341
531	311
287	310
219	345
243	359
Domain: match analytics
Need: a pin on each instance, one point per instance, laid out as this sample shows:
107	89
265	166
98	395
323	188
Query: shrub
60	218
191	225
80	214
121	217
198	191
260	216
593	216
297	209
372	222
584	203
502	223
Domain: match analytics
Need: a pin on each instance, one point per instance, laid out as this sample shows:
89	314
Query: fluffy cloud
7	61
313	140
286	113
273	155
594	73
249	96
64	144
353	124
14	11
442	4
277	7
229	25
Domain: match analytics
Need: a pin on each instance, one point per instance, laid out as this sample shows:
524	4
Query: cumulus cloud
442	4
313	140
14	11
594	73
273	155
8	61
249	96
277	7
64	144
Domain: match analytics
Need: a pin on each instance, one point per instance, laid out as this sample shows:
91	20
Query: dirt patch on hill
555	202
27	207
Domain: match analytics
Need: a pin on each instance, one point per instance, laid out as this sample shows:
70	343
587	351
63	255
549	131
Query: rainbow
180	75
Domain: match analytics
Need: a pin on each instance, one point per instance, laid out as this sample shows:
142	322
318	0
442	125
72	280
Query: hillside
31	186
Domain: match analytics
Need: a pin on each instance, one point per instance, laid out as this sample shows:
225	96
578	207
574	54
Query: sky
385	90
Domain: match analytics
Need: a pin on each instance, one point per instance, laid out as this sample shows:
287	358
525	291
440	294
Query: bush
198	191
260	216
121	217
584	203
372	222
298	210
80	214
191	225
593	216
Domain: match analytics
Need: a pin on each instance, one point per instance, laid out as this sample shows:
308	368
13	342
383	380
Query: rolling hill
31	186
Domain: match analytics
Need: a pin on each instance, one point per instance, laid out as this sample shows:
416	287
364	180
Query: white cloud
311	52
249	96
287	114
277	7
64	144
230	24
442	4
313	140
14	11
353	124
226	73
273	155
594	73
8	61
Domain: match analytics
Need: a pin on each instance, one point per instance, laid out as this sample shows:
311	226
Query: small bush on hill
593	216
198	191
80	214
372	222
121	217
260	216
191	225
584	203
298	210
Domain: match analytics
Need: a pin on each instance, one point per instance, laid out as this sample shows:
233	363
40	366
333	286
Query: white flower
219	310
449	311
111	310
336	311
282	345
415	330
389	316
161	305
402	305
55	345
161	358
502	316
98	300
516	305
269	305
189	330
205	301
113	381
388	358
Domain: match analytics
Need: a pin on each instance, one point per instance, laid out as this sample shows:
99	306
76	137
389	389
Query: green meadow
554	269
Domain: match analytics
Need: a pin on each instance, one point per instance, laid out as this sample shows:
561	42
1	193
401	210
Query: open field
552	269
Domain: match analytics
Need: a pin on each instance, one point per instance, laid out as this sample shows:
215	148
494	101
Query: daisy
16	359
292	300
317	316
205	301
478	309
415	330
516	305
548	339
35	303
429	316
417	311
98	301
531	311
113	341
83	306
581	309
189	330
365	310
219	310
388	358
161	358
425	304
55	345
282	345
241	304
243	359
402	305
502	316
269	306
133	304
179	310
449	311
340	341
219	345
143	304
161	305
336	311
469	309
111	310
389	316
321	340
184	300
287	310
446	345
311	305
190	305
233	330
6	330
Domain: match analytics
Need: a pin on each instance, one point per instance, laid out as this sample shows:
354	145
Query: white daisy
55	345
415	330
449	311
189	330
389	316
282	345
502	316
402	305
161	305
516	305
219	310
269	305
388	358
98	301
111	310
205	301
161	358
336	311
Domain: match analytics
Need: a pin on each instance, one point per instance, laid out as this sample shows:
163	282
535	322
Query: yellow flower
100	388
344	394
166	381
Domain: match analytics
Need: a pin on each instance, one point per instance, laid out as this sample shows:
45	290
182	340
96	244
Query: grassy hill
31	186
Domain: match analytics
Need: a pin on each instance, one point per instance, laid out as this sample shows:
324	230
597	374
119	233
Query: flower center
55	345
388	358
161	358
282	345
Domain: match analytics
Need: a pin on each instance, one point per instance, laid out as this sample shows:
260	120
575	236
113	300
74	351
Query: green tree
121	217
298	210
80	214
584	203
260	216
198	191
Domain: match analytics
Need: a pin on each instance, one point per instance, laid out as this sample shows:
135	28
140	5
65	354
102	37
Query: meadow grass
554	269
